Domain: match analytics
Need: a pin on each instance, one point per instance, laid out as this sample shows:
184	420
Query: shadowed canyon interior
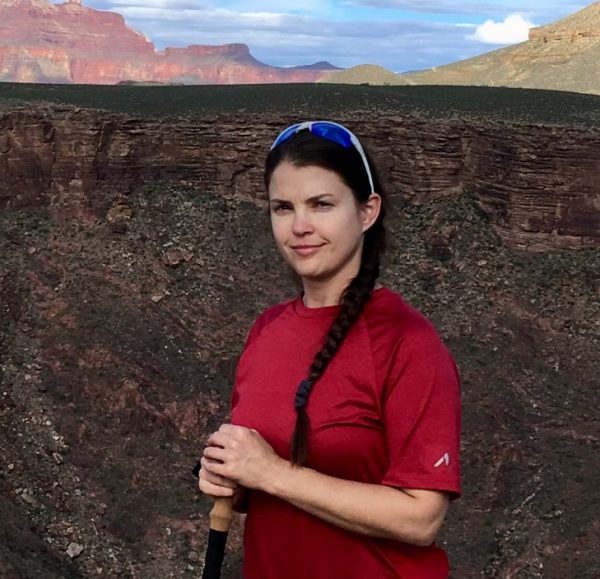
135	253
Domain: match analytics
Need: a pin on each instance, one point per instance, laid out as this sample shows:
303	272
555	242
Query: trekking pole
220	517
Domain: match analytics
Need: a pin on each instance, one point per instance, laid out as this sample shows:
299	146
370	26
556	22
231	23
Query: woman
346	405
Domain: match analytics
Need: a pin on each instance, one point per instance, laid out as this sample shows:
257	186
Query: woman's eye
280	208
322	204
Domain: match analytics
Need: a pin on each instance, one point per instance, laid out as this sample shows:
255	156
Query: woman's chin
304	267
309	275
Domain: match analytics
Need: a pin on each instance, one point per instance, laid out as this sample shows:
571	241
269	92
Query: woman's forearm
369	509
242	455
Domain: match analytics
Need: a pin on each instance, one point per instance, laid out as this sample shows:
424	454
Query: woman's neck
327	290
319	297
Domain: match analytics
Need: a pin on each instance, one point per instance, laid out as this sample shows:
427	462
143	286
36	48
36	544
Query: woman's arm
241	454
410	515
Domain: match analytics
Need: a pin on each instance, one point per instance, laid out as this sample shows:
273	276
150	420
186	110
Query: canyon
135	251
539	185
70	43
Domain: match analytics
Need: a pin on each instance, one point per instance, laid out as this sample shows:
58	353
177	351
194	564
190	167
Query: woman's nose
301	223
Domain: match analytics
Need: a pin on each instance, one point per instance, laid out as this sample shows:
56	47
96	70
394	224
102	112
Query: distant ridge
365	74
563	55
41	42
321	65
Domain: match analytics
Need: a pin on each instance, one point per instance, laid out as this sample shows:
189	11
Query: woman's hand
213	484
240	455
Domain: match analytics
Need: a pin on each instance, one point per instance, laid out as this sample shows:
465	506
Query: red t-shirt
386	411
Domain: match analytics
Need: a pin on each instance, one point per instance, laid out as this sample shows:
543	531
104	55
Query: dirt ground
121	328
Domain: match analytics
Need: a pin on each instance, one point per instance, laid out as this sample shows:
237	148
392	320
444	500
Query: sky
401	35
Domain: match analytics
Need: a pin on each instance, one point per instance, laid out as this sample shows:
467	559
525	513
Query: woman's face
317	224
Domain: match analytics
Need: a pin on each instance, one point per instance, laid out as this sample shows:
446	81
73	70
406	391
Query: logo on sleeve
443	460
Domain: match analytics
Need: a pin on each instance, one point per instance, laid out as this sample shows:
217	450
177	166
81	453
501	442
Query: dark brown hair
303	150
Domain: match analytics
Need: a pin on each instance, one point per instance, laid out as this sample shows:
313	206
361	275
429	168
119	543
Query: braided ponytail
305	149
352	302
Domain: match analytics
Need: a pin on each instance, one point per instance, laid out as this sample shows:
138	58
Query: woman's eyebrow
309	200
318	197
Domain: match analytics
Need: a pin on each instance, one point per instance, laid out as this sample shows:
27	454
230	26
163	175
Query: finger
214	453
216	467
219	468
217	479
214	490
232	429
209	464
216	439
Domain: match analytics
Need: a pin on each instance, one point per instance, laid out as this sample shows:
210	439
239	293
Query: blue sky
398	34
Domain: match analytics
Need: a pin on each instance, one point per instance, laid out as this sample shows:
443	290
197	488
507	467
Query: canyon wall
125	307
538	184
42	42
559	56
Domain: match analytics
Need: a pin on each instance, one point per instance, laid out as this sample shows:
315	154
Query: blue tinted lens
285	135
323	129
333	133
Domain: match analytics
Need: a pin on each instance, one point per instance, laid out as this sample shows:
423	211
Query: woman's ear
370	210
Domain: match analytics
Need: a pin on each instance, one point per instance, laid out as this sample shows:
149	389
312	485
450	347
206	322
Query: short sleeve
421	407
252	334
257	327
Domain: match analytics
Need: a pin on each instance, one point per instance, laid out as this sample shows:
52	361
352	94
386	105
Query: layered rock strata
70	43
538	184
560	56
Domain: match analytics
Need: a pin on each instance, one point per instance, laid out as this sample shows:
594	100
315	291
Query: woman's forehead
290	180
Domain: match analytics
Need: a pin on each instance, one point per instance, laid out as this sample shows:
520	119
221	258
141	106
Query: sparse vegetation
313	100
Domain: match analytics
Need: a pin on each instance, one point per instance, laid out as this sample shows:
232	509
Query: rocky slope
560	56
134	254
70	43
365	74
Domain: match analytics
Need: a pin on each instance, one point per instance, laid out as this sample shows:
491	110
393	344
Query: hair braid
305	149
352	302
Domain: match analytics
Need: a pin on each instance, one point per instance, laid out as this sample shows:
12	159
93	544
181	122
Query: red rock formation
70	43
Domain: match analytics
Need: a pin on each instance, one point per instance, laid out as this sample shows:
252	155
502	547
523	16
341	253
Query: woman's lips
306	250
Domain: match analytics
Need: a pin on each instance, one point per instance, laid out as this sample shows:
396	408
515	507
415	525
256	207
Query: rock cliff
580	26
135	253
70	43
537	183
560	56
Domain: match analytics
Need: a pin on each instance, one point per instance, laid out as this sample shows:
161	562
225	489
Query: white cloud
514	28
286	39
203	20
290	6
548	9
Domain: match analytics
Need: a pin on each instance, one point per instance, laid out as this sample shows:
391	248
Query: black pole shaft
220	516
215	552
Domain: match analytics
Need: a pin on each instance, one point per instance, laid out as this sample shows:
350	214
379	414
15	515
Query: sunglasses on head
331	131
